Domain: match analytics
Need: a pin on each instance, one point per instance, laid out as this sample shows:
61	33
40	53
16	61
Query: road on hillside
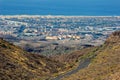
81	65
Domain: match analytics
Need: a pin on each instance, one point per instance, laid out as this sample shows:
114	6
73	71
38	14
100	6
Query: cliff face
106	64
16	64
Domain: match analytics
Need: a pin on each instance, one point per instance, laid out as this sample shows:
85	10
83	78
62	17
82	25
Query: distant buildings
58	27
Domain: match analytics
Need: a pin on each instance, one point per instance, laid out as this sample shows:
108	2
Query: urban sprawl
85	29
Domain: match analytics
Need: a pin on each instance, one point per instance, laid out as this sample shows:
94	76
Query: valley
100	62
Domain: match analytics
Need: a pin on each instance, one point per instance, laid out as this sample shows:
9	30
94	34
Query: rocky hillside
106	64
16	64
114	38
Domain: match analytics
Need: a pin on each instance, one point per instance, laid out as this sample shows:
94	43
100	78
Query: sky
60	6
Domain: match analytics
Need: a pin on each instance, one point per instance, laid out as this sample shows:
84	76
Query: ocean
60	7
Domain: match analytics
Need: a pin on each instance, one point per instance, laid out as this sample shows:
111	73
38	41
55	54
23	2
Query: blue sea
60	7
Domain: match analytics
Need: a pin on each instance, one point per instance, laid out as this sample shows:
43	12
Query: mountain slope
106	65
16	64
21	65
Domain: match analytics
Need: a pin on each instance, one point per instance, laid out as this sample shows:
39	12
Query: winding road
81	65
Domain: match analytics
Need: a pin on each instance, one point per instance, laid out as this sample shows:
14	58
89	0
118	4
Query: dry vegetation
106	65
16	64
72	59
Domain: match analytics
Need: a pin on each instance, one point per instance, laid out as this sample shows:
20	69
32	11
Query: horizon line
62	15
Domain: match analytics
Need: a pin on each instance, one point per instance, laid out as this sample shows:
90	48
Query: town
64	30
57	27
